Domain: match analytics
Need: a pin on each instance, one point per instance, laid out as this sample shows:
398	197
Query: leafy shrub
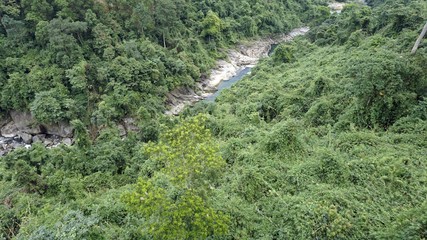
53	106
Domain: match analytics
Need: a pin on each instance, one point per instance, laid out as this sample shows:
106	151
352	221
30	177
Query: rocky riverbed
245	55
336	7
20	129
8	144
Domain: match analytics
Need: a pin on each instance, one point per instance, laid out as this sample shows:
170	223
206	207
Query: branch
417	43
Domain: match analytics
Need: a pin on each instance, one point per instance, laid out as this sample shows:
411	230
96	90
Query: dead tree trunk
417	43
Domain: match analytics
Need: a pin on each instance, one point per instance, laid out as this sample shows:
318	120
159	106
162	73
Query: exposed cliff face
245	55
20	129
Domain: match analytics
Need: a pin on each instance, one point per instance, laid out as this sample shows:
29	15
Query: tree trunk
417	43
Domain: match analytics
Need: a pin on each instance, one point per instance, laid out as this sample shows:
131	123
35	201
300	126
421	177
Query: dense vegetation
327	139
99	61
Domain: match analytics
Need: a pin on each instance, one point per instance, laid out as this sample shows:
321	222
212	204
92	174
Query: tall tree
176	199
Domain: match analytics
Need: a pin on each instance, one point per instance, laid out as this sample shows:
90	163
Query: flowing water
239	76
228	83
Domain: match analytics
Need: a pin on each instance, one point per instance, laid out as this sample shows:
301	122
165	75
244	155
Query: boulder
25	122
27	138
15	145
22	119
67	141
61	129
56	140
10	130
4	121
48	142
122	130
39	138
130	125
33	130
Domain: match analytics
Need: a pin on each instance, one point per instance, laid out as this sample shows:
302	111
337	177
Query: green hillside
325	139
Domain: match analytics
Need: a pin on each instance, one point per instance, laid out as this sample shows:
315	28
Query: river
239	62
227	72
228	83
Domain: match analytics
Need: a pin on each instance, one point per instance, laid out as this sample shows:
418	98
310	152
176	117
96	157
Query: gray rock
39	138
67	141
27	138
16	145
4	121
25	122
31	130
22	119
48	142
122	130
56	140
61	129
130	125
10	130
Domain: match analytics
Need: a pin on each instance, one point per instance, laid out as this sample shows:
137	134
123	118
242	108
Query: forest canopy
325	139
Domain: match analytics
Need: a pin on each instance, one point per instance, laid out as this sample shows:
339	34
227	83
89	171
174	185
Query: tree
165	18
15	29
73	225
384	87
53	106
284	54
175	200
212	26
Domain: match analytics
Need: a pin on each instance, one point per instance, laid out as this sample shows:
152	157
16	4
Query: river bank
243	56
14	133
336	7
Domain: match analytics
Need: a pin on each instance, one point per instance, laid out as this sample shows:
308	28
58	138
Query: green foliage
284	53
53	106
283	140
175	199
187	154
74	225
16	93
331	145
212	26
105	56
384	88
324	140
184	215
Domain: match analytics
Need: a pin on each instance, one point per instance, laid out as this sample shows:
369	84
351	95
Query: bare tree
417	43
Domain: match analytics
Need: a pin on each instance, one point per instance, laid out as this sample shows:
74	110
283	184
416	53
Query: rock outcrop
4	121
130	125
10	130
25	122
61	129
20	129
